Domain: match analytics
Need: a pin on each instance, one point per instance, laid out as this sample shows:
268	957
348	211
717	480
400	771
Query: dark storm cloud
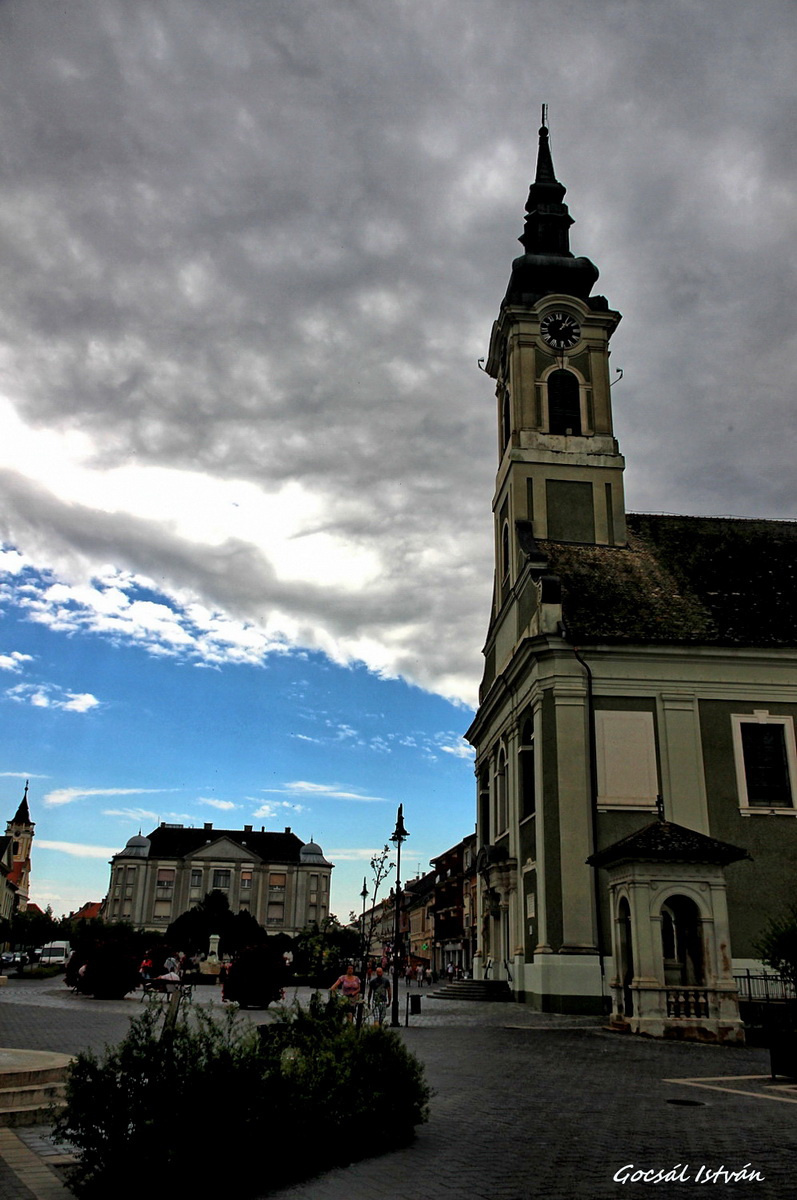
266	241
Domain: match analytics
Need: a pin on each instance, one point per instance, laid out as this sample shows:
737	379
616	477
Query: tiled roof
175	842
664	841
682	580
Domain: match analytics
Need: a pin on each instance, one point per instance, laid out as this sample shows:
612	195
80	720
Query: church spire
22	815
548	265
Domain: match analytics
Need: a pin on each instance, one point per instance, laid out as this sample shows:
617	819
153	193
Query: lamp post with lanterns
398	836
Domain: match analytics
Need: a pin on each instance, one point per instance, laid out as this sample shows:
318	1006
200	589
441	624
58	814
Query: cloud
13	661
49	695
353	854
322	790
253	254
453	744
77	849
68	795
278	807
225	805
130	814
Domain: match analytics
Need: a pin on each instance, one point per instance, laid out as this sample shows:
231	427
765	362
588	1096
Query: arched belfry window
505	562
526	763
564	403
506	421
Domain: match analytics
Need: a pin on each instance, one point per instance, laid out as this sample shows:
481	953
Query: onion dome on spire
548	264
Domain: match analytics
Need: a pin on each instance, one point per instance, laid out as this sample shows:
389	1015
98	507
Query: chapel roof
665	841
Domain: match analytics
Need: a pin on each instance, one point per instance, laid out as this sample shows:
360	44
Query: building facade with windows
635	745
455	906
283	882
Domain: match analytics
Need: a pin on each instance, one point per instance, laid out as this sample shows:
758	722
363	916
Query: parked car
14	958
55	954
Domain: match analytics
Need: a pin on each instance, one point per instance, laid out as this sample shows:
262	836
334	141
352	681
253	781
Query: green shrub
212	1082
777	945
255	977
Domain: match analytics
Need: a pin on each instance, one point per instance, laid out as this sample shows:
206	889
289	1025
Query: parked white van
55	954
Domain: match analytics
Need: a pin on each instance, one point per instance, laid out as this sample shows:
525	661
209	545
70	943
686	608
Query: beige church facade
635	745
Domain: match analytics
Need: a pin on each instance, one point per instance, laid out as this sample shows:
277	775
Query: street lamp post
364	894
398	836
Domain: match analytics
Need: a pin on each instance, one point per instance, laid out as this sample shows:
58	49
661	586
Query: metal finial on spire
544	121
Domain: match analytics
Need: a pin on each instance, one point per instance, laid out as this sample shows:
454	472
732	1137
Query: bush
111	972
255	977
777	945
214	1082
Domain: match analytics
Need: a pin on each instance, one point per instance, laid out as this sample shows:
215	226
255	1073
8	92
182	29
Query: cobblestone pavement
526	1106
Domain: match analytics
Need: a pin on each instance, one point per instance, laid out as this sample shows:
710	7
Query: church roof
664	841
722	581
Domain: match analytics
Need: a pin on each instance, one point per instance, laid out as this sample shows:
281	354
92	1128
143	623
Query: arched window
484	807
564	403
526	765
506	421
504	562
682	942
501	817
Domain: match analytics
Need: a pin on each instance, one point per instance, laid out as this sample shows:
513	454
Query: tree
381	866
30	930
322	947
777	945
191	931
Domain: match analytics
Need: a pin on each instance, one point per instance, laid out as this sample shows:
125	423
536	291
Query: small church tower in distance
20	829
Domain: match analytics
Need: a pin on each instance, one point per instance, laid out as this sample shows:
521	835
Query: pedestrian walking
349	985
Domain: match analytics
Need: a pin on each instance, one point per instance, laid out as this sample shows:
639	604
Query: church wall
551	832
757	890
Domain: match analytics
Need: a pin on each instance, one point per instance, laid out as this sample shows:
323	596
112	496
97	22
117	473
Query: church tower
560	473
559	482
20	829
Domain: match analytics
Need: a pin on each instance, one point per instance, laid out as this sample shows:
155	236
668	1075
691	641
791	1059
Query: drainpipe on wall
593	787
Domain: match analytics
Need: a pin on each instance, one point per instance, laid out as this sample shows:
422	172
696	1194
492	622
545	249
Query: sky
251	252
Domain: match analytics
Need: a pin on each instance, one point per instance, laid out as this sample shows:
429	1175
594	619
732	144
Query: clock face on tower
560	331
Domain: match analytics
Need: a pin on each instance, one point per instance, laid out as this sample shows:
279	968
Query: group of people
379	993
175	966
420	975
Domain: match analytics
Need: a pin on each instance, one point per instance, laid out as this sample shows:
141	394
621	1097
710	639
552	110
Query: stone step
32	1114
31	1084
24	1076
30	1094
493	990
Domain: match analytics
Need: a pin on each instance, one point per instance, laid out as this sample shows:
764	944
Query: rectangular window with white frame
625	751
766	762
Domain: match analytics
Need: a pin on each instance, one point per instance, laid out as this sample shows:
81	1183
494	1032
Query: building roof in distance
178	841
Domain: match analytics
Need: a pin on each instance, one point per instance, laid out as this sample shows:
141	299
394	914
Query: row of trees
31	930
